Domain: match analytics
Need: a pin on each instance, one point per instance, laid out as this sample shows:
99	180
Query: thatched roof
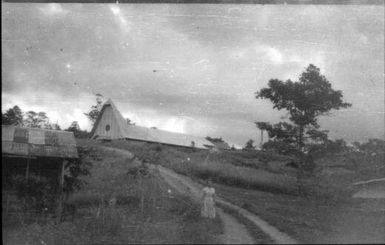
37	142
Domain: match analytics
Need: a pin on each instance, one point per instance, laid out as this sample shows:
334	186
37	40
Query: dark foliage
78	133
372	146
129	121
305	100
37	120
13	116
31	119
36	193
75	169
215	140
249	146
93	114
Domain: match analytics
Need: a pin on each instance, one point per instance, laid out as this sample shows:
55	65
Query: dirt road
235	232
186	185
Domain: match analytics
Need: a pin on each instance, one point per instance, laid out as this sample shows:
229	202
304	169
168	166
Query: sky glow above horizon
192	68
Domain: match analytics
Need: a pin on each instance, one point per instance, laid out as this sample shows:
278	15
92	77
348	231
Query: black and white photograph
193	122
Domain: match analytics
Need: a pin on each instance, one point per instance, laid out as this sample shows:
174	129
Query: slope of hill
331	217
123	202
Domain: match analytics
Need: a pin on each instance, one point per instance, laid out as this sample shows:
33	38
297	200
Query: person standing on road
208	201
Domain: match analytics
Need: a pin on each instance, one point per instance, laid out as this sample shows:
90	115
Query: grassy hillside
123	202
261	170
312	219
244	169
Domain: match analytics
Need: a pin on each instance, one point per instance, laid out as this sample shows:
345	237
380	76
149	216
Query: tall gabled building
111	125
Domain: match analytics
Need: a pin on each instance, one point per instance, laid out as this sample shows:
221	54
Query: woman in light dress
208	201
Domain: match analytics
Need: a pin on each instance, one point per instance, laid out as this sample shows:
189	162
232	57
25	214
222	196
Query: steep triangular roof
123	130
121	122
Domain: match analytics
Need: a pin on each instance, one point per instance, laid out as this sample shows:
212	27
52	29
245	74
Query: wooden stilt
27	170
39	174
60	196
3	168
6	210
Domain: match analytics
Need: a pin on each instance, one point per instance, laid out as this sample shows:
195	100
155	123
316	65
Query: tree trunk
301	163
300	138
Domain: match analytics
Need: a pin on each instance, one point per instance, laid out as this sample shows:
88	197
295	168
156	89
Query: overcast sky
191	68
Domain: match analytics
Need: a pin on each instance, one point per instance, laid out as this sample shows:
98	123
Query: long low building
111	125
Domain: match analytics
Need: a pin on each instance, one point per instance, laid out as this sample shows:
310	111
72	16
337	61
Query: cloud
274	55
116	11
77	115
147	117
63	110
53	9
167	62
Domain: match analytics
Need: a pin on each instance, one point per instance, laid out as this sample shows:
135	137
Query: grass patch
312	220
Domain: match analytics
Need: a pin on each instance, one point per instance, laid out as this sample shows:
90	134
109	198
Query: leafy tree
13	116
305	101
75	128
215	140
283	136
74	169
249	145
37	120
219	142
357	145
55	126
93	114
373	145
129	121
337	146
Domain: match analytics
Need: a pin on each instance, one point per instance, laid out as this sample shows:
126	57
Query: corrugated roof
150	134
37	142
165	137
